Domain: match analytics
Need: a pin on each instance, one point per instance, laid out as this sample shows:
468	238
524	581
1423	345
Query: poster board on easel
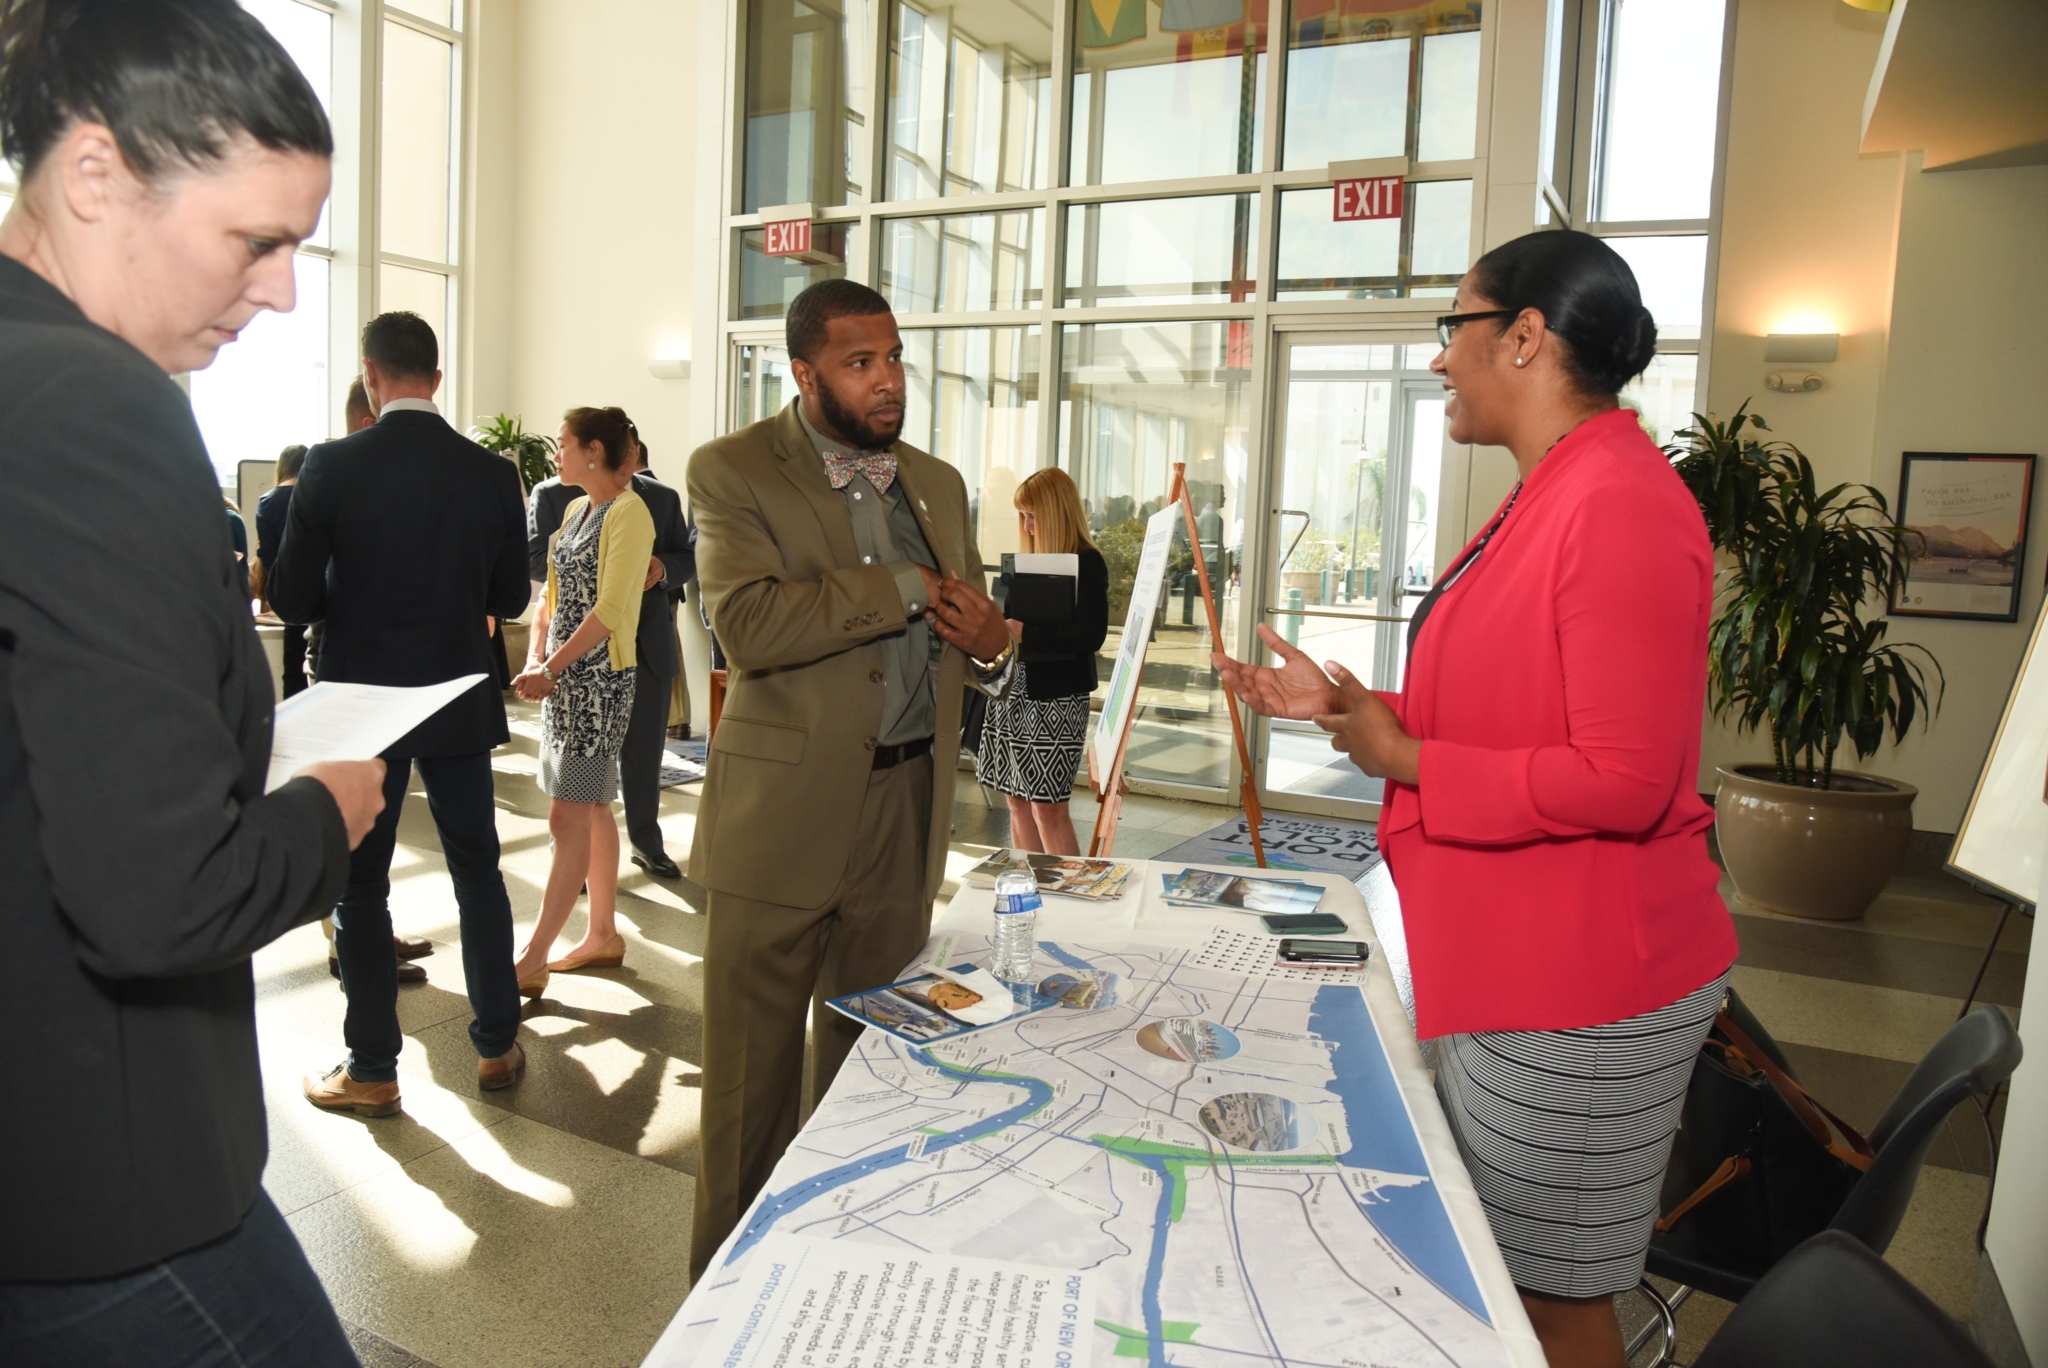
2005	828
1112	736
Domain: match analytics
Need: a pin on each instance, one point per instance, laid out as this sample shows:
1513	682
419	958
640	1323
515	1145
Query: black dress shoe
660	866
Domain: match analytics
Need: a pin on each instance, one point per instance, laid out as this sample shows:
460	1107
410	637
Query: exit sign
791	237
1373	197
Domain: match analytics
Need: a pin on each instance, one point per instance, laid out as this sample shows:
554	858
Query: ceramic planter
1807	852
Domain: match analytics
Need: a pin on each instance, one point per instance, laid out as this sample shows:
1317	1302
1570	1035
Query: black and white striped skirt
1566	1135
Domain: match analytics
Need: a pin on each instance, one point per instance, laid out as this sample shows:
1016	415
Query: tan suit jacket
799	617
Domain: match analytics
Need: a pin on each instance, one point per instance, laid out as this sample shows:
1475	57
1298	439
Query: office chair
1832	1303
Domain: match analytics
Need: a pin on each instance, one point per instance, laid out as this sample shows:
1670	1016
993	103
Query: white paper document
1066	563
332	721
809	1301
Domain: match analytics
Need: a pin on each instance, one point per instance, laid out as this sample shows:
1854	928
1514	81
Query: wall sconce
1808	347
669	367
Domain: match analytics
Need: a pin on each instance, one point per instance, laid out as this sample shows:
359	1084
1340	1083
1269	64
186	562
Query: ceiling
1963	82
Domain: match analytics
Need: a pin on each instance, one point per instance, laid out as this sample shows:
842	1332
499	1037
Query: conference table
1054	1190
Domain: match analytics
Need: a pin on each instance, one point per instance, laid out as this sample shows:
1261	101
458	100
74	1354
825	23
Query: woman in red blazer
1542	821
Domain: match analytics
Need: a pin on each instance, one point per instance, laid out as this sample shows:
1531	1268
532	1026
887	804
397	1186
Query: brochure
1237	893
915	1009
1069	876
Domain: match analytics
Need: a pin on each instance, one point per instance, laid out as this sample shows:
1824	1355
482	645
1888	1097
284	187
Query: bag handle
1733	1167
1857	1153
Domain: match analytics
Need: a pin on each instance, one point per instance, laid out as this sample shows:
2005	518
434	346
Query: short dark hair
1588	297
610	428
357	405
403	345
810	313
290	462
174	80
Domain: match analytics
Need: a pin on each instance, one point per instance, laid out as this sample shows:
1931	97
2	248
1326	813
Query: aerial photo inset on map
1190	1040
1257	1121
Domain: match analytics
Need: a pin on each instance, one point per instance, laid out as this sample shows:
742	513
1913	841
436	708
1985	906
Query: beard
854	427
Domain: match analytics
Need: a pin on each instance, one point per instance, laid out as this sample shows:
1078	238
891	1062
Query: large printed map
1227	1158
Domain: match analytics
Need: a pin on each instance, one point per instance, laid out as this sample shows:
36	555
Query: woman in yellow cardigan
581	666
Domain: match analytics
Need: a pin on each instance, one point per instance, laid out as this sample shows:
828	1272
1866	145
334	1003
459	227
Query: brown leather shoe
407	973
411	947
503	1071
335	1090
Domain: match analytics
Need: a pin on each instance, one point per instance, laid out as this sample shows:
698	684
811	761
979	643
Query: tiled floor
549	1224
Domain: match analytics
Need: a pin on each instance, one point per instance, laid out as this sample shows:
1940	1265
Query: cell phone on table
1335	954
1304	923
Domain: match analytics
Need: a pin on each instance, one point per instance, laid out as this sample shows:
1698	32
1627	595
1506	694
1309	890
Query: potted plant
532	452
1791	652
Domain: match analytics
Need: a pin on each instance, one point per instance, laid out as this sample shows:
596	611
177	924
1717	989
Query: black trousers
294	659
640	760
461	799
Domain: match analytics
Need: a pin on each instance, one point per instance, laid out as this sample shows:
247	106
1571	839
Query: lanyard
1451	576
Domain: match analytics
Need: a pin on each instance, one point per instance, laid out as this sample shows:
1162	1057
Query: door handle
1306	521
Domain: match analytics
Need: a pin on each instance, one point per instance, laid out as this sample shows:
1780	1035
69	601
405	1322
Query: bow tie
878	466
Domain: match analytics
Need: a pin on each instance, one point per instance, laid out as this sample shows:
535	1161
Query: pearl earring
1521	360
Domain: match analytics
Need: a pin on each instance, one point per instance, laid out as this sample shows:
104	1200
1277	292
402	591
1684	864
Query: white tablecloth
1142	916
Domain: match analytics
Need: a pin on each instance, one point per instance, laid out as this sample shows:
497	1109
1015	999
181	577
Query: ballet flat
535	986
611	957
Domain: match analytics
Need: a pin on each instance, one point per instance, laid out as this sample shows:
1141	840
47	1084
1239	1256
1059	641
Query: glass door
762	383
1357	520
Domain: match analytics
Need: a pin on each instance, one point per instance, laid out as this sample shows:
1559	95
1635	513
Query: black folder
1044	600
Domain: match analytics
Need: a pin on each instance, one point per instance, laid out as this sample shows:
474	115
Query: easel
1109	792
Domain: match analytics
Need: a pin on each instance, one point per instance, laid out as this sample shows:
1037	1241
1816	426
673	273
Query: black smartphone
1304	923
1335	953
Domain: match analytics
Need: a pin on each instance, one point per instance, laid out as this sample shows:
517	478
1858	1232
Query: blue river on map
1412	1218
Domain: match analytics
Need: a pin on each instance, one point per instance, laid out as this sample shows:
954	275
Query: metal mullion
1157	313
1053	280
1710	286
984	318
1277	50
1651	228
427	26
446	268
303	249
880	136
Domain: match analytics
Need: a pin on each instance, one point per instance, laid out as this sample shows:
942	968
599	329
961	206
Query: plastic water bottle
1015	940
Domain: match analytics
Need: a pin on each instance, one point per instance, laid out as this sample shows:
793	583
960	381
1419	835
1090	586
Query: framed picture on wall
1970	514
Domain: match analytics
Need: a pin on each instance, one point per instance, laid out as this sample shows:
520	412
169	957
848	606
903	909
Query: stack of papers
1068	876
1237	893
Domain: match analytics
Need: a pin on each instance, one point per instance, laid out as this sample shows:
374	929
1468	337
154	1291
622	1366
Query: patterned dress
1031	747
583	722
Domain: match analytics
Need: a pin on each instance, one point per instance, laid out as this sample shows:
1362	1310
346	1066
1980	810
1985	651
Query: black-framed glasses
1450	323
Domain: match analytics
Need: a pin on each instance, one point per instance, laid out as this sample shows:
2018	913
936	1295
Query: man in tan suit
843	581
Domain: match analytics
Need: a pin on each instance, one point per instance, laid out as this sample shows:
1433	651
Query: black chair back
1831	1303
1976	1055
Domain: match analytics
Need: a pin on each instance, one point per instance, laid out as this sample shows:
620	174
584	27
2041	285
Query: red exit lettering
1377	197
791	237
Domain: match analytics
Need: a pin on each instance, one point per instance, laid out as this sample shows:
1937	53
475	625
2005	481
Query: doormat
1309	843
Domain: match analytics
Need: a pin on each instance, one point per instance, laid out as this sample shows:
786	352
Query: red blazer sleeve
1633	585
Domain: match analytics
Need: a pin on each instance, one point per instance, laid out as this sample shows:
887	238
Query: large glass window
1162	251
1423	252
1671	272
272	387
1363	81
807	96
973	400
1135	398
1168	90
970	98
418	171
1658	111
964	262
768	283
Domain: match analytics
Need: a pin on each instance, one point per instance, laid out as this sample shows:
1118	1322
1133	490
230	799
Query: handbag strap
1856	1153
1733	1167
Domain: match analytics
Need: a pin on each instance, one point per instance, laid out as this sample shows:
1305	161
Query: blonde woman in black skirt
1032	741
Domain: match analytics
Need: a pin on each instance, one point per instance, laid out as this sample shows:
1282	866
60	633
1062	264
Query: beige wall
1919	273
585	171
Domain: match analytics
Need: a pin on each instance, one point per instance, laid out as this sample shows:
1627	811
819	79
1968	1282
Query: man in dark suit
406	586
673	565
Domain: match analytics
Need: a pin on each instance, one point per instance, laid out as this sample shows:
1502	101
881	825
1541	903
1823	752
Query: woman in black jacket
1032	741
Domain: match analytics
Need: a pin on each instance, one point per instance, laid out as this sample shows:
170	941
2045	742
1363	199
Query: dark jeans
640	760
249	1298
459	795
294	659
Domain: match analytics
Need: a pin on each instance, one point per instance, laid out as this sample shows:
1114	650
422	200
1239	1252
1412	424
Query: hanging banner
1375	197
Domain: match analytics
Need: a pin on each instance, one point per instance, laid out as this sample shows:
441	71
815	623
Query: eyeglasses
1450	323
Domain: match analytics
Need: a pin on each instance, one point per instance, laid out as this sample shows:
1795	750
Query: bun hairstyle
610	428
176	81
1587	296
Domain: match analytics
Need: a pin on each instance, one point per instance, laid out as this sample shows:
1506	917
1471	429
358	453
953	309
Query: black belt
888	757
